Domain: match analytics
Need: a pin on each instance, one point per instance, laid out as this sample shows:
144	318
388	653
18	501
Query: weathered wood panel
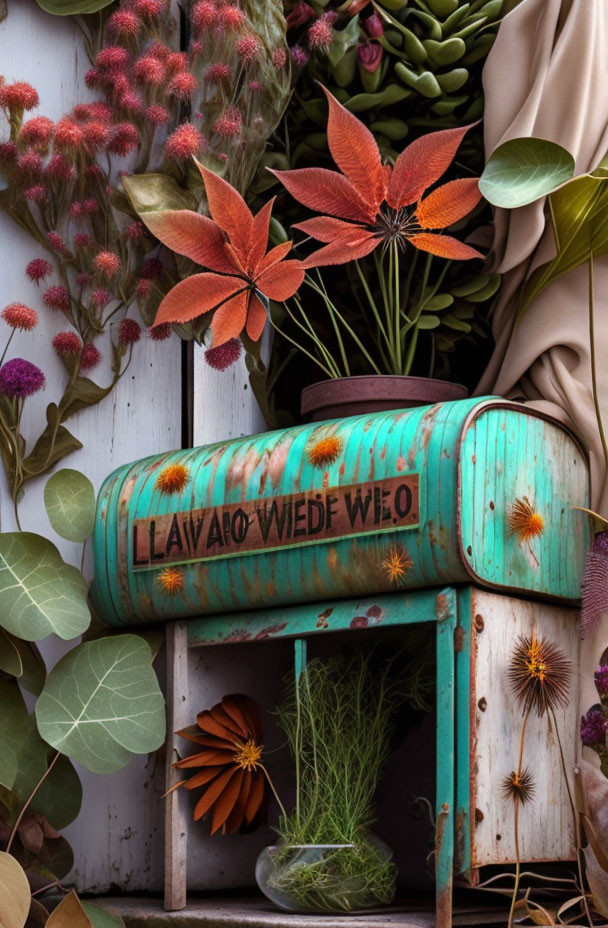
117	839
546	826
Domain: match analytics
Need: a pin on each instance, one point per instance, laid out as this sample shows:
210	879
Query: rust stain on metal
459	839
482	704
270	631
479	816
442	608
459	638
359	621
401	463
332	559
271	589
479	623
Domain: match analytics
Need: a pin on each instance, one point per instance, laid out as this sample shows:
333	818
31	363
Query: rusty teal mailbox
372	503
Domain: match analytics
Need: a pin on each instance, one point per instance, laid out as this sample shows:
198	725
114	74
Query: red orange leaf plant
390	212
242	274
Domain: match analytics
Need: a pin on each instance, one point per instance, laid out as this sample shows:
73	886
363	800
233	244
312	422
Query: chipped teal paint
390	610
507	451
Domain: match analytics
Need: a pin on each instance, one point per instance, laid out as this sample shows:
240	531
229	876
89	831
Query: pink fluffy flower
36	132
123	139
90	205
69	135
175	62
90	357
160	332
8	152
148	9
157	115
370	56
149	70
82	240
320	35
184	142
299	56
143	288
129	332
30	163
59	169
38	269
248	49
35	194
100	298
225	355
230	123
204	16
19	316
123	24
182	85
67	344
107	264
57	243
255	86
111	59
91	78
18	97
279	58
218	73
135	231
231	17
159	50
95	134
57	298
84	279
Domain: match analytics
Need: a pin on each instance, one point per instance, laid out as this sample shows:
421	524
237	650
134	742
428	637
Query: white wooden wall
117	839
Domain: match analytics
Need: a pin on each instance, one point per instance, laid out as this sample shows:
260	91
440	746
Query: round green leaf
72	7
39	593
23	754
10	658
60	797
523	170
14	893
101	703
69	498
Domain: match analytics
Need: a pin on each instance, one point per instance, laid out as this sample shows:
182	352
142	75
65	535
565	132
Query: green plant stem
592	356
274	792
397	306
372	302
10	338
31	797
516	820
349	329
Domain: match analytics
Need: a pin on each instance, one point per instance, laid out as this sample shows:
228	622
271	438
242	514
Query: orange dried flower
230	760
539	674
172	479
325	451
519	786
171	580
524	521
396	564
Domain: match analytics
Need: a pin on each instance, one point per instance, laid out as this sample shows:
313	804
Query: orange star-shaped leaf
370	203
242	275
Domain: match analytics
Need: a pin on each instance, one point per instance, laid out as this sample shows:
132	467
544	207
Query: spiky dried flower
539	674
20	378
396	564
149	70
38	269
148	9
204	16
96	135
172	479
57	297
59	168
123	23
90	206
112	59
519	787
325	451
129	332
229	737
248	49
30	163
69	135
230	123
231	17
100	298
19	316
57	243
158	115
593	728
524	521
18	96
67	344
82	240
91	78
176	62
8	152
595	584
171	580
143	288
123	139
90	357
35	194
222	357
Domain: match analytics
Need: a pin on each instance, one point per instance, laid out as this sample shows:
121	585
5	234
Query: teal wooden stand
301	622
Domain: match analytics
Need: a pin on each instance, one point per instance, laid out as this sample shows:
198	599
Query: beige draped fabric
547	76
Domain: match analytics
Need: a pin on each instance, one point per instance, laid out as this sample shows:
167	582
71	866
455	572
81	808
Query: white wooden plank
117	839
546	826
224	406
176	819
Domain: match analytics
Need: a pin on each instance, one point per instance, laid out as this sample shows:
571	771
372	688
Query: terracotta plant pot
353	396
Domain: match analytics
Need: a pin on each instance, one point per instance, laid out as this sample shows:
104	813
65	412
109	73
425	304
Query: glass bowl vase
328	877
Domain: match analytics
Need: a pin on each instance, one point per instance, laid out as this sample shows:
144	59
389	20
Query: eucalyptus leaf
101	918
14	893
39	593
60	797
101	703
69	498
72	7
69	914
33	672
148	192
10	658
523	170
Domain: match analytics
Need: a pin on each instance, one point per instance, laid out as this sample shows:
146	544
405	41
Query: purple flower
373	26
20	378
601	680
370	56
593	728
299	56
595	584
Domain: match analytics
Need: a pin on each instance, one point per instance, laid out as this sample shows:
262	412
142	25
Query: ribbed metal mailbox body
368	504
